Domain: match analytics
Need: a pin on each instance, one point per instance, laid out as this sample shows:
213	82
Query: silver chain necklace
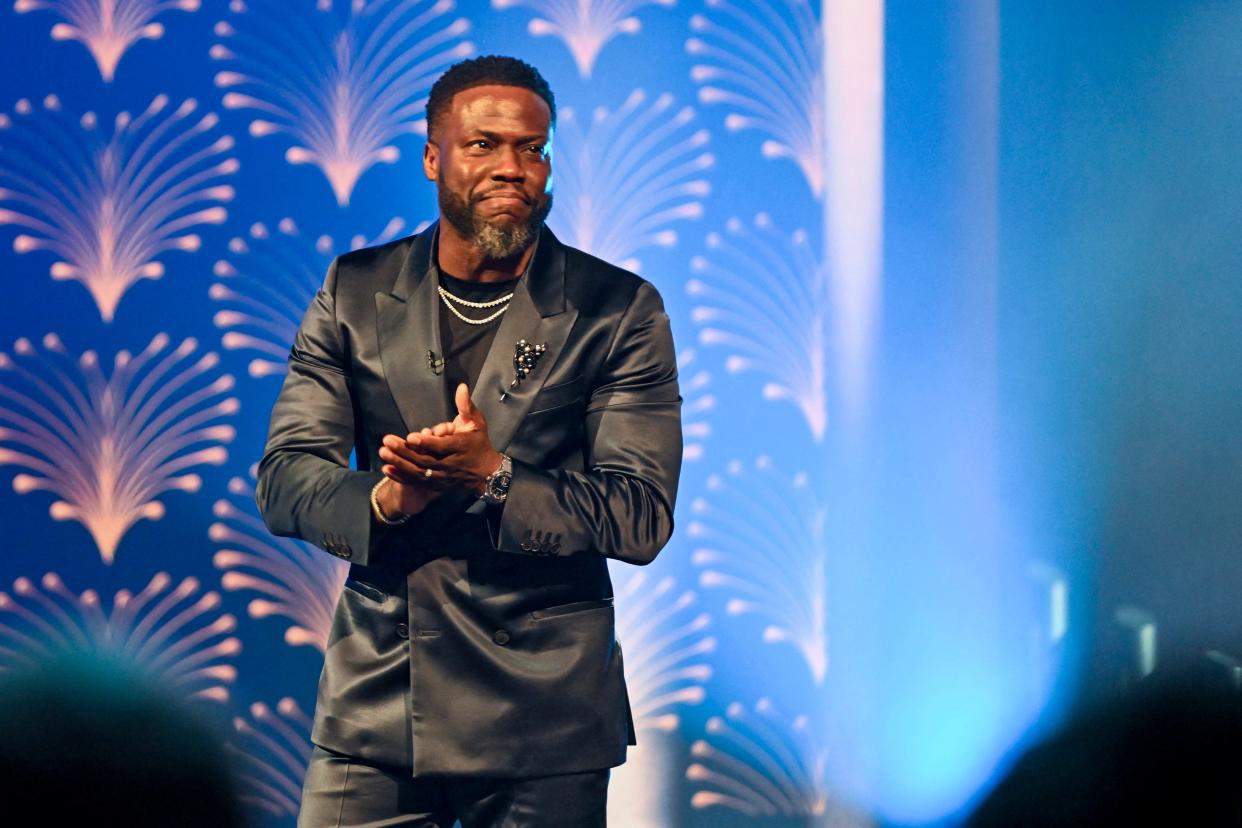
445	296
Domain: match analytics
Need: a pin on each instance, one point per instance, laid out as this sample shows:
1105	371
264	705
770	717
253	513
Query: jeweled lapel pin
525	358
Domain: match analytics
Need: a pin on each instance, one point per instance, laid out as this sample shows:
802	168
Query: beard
495	240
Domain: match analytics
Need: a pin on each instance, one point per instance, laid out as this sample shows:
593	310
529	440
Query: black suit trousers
341	792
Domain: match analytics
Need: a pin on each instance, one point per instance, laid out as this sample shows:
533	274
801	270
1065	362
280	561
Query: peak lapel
538	314
408	323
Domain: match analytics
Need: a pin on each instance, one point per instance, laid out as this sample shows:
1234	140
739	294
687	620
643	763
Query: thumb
465	406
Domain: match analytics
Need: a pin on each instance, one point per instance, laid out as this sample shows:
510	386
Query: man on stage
514	410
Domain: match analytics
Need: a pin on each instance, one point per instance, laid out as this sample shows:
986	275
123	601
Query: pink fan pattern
108	447
359	83
759	762
585	26
760	536
779	327
174	633
666	663
266	283
107	28
272	749
763	61
627	177
295	580
110	206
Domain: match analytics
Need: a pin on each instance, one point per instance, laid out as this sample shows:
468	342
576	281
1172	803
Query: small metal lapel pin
525	358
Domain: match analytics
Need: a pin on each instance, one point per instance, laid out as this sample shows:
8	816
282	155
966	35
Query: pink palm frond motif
760	535
698	402
624	177
107	28
666	643
172	632
293	579
585	26
272	749
108	447
778	326
764	61
109	206
815	88
266	283
759	763
341	80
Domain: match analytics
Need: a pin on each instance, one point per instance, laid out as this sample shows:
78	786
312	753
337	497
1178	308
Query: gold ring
427	473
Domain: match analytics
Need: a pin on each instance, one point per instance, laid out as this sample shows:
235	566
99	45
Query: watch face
499	484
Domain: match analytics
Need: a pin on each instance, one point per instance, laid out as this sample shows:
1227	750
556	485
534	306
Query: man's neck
464	260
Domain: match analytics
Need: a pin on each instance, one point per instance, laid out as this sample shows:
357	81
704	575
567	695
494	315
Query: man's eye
538	149
480	143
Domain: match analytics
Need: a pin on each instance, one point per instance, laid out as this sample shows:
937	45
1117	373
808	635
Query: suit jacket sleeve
622	506
305	488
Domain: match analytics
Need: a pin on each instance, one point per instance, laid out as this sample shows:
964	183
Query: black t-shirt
465	346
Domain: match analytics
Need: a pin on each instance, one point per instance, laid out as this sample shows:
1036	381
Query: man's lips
506	195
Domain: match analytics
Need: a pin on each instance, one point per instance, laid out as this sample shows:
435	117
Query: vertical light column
854	198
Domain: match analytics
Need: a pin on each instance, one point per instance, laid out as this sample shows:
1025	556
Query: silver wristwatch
496	488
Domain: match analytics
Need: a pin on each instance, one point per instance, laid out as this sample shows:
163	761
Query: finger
437	448
401	468
395	444
416	442
406	465
389	446
420	457
465	405
439	429
397	475
405	478
410	452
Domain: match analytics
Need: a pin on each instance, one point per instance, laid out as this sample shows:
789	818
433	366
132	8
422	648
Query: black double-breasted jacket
466	641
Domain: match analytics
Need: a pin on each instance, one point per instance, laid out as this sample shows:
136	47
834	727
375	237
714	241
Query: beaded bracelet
379	513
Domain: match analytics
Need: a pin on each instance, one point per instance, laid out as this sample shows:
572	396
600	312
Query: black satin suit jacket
462	643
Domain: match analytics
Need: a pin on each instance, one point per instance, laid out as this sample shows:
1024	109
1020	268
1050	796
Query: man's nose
508	165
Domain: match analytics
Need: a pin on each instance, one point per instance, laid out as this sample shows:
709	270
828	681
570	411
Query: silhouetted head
88	742
1164	753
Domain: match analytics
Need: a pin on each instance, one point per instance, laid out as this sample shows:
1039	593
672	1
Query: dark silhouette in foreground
87	742
1166	753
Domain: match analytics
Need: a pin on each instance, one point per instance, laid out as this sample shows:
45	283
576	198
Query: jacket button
403	631
501	637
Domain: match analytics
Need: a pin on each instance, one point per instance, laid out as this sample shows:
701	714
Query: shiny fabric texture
340	792
468	642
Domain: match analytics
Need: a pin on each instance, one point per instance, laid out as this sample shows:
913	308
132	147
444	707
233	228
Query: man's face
491	160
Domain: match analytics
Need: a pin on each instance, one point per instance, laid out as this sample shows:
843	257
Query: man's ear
431	161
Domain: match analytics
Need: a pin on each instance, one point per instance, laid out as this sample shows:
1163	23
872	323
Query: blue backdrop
954	293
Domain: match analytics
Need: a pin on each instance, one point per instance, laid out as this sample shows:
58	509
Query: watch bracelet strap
505	467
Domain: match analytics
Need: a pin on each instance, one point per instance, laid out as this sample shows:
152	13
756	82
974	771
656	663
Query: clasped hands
424	464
